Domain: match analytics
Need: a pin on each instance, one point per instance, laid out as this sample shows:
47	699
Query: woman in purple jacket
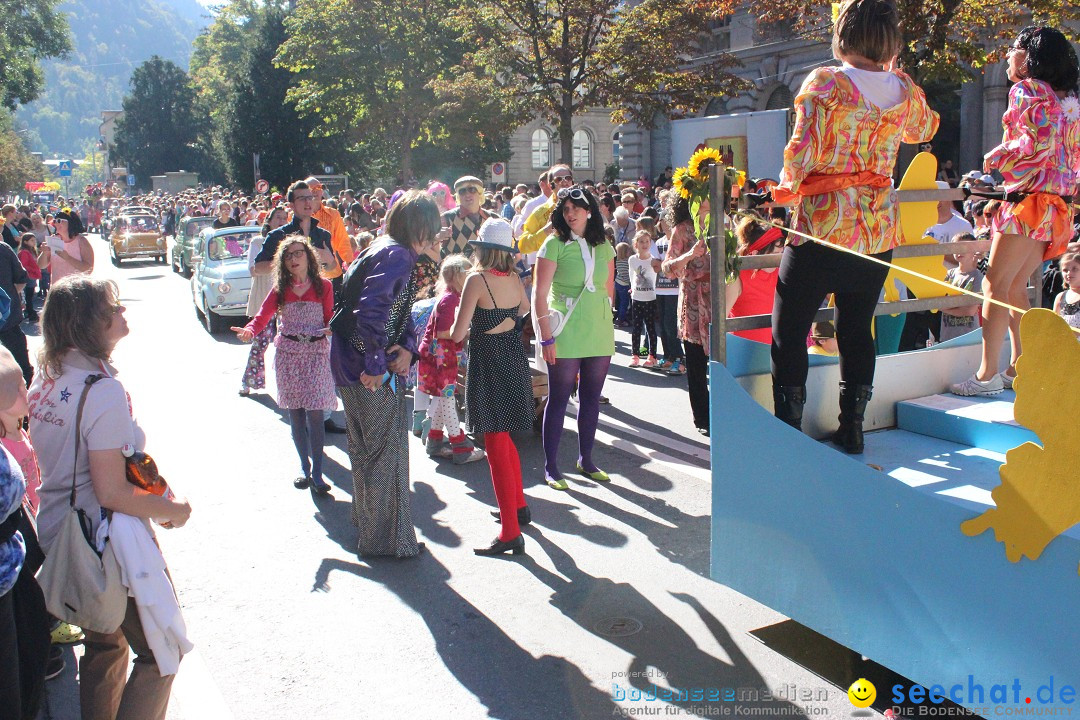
373	345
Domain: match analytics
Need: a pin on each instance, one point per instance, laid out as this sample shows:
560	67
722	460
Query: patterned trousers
379	454
255	372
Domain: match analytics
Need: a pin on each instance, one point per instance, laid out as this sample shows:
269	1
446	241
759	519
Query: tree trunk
566	130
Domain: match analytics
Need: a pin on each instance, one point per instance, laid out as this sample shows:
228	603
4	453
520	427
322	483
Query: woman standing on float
850	121
1039	158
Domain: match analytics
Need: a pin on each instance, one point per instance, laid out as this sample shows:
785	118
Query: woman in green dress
574	285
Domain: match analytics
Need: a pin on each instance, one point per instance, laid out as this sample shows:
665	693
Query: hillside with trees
109	38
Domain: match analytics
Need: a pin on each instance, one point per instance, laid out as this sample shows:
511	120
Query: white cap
495	233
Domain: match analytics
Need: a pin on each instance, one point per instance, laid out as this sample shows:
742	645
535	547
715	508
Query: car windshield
228	247
197	225
141	223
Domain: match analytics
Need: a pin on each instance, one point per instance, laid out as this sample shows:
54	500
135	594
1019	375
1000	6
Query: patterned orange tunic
839	132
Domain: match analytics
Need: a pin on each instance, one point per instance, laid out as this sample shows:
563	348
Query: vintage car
220	279
136	236
187	233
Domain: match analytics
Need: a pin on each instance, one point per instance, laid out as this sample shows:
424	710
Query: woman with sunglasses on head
1039	159
572	293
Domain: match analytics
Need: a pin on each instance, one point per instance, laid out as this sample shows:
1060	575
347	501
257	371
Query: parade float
890	553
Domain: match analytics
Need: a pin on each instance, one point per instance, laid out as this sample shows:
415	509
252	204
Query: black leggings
643	316
808	273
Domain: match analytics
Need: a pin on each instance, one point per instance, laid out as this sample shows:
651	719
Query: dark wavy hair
594	225
678	212
266	225
282	276
1050	58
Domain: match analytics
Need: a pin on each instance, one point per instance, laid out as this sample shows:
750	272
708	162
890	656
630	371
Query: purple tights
561	378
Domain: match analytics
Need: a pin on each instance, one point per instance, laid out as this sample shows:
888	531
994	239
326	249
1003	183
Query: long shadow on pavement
509	681
665	657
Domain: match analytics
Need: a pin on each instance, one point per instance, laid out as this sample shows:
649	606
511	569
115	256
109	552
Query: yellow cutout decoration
1039	495
915	219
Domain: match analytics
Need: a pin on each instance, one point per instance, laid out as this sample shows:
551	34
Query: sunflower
679	181
700	159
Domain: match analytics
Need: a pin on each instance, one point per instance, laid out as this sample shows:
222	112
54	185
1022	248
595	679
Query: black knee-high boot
788	401
853	400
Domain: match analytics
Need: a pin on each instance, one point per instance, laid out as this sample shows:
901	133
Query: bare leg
1018	297
1009	258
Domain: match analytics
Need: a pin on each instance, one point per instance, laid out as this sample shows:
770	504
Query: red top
30	263
758	289
270	305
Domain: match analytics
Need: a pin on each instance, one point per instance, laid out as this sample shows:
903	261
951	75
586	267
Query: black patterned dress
498	389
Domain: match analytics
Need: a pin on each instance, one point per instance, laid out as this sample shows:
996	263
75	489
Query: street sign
131	180
498	172
262	186
65	168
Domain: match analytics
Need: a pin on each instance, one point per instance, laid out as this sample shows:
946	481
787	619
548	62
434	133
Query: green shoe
598	476
557	483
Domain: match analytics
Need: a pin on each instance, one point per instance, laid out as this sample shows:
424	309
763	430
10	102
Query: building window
616	148
582	149
541	148
780	98
717	37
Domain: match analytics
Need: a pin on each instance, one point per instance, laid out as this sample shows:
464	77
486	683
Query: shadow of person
502	675
426	504
665	657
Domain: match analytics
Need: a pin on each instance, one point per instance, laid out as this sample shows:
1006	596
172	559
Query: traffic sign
262	186
131	180
498	172
65	168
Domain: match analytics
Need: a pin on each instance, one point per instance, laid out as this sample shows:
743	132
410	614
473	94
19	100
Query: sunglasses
468	189
574	193
560	178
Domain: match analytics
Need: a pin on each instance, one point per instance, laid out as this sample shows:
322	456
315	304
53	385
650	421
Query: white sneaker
973	386
1006	380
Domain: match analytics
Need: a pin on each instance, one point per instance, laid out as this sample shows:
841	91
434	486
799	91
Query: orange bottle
142	472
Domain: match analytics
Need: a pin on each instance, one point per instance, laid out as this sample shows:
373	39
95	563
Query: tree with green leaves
557	58
944	40
17	165
159	131
367	70
30	31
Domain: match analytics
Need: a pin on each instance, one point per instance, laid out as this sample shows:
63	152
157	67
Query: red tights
505	464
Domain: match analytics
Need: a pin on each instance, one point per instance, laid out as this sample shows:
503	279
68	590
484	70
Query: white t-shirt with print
642	279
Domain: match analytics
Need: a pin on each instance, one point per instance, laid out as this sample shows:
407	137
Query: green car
187	233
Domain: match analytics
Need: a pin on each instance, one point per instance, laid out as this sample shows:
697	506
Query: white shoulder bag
557	320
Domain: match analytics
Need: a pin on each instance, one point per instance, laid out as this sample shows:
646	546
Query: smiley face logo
862	693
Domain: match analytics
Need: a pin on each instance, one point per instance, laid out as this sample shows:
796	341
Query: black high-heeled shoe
498	547
524	515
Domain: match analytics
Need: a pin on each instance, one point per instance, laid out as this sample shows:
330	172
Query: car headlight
224	288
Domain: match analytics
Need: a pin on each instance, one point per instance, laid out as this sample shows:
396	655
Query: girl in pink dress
1039	159
437	369
303	303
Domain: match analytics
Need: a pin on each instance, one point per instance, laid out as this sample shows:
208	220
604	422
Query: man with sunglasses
465	220
537	226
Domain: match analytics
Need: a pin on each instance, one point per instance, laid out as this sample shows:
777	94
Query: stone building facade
776	68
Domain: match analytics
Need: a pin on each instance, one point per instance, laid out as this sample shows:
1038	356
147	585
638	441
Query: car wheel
215	324
114	257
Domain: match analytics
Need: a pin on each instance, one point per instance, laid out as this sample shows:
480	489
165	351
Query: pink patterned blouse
840	133
695	300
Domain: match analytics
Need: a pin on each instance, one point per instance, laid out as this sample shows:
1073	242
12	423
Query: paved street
288	622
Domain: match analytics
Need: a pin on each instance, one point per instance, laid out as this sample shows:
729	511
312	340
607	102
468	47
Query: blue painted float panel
882	567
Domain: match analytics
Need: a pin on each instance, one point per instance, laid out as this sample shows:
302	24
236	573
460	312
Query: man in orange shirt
331	221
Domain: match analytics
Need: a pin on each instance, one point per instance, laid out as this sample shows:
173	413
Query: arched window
716	106
582	149
541	148
616	148
780	98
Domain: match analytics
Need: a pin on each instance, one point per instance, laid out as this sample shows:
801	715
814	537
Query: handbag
557	319
81	585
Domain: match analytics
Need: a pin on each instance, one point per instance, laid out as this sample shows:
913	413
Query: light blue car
220	280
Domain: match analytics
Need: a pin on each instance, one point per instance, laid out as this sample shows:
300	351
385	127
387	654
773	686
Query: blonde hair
623	251
453	266
77	312
642	235
488	258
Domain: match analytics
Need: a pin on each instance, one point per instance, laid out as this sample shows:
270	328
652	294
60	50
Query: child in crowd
623	251
303	303
498	397
437	370
959	321
28	256
1067	303
643	268
823	340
